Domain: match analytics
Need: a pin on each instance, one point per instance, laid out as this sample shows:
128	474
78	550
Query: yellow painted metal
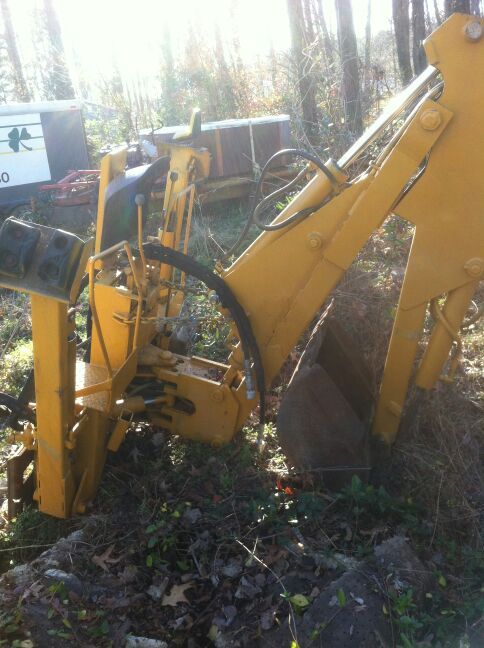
119	431
291	293
75	400
216	405
54	348
282	280
445	332
445	206
188	166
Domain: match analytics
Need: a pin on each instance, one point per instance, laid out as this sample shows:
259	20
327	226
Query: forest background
328	63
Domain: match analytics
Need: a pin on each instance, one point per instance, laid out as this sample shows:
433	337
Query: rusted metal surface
237	146
76	188
323	420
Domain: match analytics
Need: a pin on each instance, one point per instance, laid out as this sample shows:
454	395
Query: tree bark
168	79
22	92
438	17
401	23
349	63
309	21
367	71
225	84
305	81
61	80
327	44
475	7
461	6
419	34
428	19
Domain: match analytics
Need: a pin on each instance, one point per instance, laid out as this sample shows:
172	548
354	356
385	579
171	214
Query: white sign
23	158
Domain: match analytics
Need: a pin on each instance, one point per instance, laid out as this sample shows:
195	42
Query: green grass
15	366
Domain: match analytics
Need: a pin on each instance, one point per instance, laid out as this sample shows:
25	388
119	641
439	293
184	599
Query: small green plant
341	596
99	630
30	534
367	506
163	539
10	625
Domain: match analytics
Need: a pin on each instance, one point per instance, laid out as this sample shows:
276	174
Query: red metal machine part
77	188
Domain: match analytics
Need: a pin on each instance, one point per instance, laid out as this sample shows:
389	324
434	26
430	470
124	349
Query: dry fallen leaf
103	559
177	595
33	590
129	574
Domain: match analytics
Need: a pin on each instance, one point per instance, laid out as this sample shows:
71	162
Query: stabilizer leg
406	333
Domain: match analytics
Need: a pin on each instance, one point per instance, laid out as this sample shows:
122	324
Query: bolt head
475	267
315	240
473	31
430	119
217	395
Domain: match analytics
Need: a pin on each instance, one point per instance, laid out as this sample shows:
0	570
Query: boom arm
283	279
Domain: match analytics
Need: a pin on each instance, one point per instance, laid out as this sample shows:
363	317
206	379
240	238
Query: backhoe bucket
323	420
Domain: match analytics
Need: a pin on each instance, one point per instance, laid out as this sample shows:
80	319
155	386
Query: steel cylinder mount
430	119
475	267
473	31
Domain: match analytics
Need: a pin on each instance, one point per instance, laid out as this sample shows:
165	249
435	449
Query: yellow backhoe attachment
429	172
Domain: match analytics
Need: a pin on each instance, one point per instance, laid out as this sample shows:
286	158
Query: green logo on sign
15	139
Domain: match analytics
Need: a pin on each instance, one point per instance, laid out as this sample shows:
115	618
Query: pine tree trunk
21	90
309	21
401	22
438	17
419	34
367	71
327	45
349	63
61	80
428	19
171	113
461	6
475	7
225	84
305	81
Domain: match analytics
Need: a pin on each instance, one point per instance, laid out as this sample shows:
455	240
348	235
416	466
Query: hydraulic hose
258	207
17	410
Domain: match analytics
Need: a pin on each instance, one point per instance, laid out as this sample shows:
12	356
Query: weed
15	367
366	507
164	543
30	533
10	625
14	317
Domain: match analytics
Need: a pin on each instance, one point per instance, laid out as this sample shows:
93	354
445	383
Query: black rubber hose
248	341
17	410
270	199
258	207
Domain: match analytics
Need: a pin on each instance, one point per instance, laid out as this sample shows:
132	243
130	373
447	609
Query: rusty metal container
237	146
